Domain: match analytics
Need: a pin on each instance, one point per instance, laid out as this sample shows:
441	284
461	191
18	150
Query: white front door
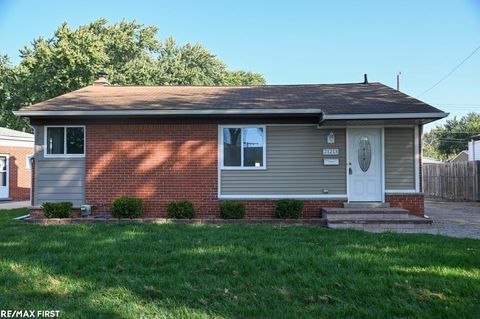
364	164
4	176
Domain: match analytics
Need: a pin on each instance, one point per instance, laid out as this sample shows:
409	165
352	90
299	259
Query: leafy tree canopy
446	141
128	51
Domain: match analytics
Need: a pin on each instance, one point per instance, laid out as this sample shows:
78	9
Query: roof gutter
384	116
26	113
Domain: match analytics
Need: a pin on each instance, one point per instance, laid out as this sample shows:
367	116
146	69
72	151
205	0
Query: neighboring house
474	149
430	160
16	149
326	144
461	157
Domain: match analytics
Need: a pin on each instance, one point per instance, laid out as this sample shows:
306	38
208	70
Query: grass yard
234	271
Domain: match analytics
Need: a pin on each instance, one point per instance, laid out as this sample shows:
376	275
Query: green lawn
234	271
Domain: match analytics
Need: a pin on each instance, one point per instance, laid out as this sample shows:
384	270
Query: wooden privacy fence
452	181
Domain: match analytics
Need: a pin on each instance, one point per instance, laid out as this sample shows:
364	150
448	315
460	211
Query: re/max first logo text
29	313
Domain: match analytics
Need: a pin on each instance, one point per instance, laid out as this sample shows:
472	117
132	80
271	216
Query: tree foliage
446	141
128	51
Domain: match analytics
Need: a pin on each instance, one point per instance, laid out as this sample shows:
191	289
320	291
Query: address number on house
330	151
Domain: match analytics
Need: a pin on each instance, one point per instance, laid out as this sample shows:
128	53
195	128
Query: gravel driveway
456	219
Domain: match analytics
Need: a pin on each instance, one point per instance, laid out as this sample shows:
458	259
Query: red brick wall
156	162
411	202
20	176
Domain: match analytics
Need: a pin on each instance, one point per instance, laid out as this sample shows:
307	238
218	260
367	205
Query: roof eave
32	113
316	111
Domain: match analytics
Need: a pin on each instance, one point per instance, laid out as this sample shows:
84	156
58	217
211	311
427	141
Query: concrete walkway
13	204
456	219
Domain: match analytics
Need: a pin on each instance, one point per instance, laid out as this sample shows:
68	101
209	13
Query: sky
294	42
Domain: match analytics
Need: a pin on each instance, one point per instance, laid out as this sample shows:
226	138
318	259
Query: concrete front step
411	224
411	220
366	205
364	213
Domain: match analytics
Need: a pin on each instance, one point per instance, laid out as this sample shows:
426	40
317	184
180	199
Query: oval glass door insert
364	153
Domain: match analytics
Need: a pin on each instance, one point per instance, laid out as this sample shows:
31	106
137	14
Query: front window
65	140
243	147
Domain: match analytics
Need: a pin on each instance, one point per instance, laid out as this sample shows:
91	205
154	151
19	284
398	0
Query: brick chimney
102	79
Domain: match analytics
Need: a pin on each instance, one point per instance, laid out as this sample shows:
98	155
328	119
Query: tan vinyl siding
294	165
57	179
399	159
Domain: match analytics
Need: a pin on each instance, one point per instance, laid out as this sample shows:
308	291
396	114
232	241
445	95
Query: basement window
64	141
243	147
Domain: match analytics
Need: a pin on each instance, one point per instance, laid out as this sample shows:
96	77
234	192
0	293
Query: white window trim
64	155
242	168
382	160
7	184
416	156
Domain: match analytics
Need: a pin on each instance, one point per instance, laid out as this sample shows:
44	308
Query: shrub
289	208
57	210
181	209
127	207
232	210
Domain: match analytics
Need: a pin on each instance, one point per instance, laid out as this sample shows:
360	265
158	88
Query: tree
9	97
446	141
128	51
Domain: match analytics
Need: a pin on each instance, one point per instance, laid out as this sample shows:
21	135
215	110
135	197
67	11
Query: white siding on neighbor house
294	165
57	179
399	158
474	151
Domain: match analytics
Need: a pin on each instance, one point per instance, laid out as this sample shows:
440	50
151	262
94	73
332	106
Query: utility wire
455	104
444	141
451	72
463	132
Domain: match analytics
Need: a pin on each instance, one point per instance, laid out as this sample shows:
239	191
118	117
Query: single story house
16	150
327	144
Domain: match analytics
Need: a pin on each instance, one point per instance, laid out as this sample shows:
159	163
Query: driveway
14	204
456	219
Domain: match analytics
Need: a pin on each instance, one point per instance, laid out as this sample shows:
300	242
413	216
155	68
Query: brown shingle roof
371	98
